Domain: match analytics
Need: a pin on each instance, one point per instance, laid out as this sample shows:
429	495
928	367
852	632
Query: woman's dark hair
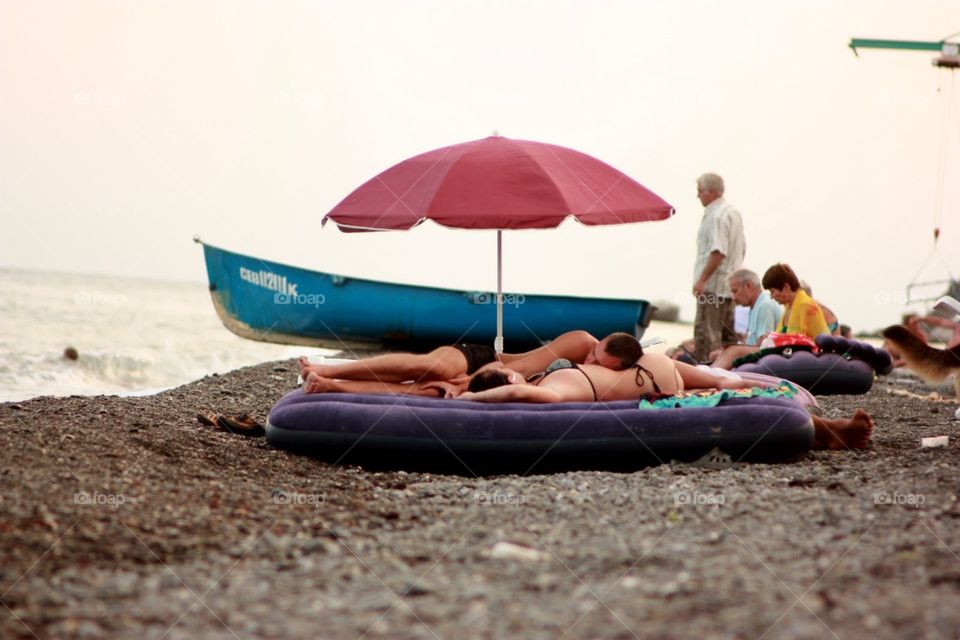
489	379
779	275
625	347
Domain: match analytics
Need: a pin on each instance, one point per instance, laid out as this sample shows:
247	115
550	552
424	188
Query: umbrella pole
498	343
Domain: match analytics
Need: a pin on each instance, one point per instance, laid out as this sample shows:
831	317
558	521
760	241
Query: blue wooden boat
272	302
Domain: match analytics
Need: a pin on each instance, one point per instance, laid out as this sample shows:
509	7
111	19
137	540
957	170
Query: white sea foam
133	336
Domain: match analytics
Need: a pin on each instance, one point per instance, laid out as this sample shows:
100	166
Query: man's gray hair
746	276
711	182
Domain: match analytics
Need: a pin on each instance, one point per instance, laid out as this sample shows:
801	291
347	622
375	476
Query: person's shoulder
655	358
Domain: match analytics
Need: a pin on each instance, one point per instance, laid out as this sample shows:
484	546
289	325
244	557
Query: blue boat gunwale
347	278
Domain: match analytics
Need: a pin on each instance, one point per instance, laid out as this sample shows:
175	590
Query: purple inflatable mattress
825	374
468	438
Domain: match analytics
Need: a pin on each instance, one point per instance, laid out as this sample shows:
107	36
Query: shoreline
117	512
673	333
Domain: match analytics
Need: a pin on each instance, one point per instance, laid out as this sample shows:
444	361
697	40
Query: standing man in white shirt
720	250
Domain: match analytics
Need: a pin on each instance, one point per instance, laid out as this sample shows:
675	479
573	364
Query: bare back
574	385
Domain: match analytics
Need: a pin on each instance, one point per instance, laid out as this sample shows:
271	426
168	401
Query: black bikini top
558	365
563	363
640	371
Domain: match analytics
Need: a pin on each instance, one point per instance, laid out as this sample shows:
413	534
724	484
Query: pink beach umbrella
498	183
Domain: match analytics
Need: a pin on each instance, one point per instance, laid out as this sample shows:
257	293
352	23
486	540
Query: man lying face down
454	365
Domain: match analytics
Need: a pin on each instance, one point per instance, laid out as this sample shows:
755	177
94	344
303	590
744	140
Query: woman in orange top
801	313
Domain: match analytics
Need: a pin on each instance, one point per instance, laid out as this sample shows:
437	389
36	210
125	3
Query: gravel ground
123	517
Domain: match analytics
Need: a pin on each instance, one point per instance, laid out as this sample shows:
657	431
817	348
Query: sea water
133	336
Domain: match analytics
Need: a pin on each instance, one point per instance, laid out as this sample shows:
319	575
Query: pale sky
127	127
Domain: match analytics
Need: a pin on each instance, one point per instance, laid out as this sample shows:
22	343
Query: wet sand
124	517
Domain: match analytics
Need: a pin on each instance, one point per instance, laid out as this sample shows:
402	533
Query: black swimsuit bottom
477	355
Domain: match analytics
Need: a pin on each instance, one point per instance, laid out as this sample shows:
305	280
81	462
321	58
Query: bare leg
318	384
731	353
440	364
847	433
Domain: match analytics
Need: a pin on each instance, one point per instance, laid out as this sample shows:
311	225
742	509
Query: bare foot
852	433
306	368
315	383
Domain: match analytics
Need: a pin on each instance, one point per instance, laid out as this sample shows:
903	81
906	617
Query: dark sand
123	517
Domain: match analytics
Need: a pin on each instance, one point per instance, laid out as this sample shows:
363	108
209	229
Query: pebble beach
124	517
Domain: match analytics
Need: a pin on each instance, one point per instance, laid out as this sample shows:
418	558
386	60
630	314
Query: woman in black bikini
567	382
564	381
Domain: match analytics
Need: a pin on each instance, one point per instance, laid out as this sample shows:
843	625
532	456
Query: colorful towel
712	397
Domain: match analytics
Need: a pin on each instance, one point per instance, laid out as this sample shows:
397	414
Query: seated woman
801	313
571	383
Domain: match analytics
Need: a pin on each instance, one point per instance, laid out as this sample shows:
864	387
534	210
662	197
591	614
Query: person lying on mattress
456	362
616	352
648	373
565	381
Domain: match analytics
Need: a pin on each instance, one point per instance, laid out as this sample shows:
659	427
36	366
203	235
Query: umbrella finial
495	134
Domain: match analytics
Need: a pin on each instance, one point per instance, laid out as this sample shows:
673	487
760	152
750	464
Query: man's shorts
477	355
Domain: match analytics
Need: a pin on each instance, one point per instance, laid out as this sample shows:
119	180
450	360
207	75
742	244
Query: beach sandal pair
242	424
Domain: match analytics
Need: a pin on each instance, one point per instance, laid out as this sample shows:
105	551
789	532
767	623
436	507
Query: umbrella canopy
498	183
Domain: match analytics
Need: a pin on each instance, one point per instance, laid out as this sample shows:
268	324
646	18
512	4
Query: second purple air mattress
824	374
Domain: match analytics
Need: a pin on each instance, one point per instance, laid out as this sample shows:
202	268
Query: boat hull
272	302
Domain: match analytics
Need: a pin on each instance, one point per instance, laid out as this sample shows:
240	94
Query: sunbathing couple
576	367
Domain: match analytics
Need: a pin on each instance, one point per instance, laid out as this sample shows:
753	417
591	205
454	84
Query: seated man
589	382
452	365
764	313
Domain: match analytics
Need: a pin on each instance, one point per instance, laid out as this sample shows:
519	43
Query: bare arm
937	321
514	393
443	388
696	378
572	345
371	386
